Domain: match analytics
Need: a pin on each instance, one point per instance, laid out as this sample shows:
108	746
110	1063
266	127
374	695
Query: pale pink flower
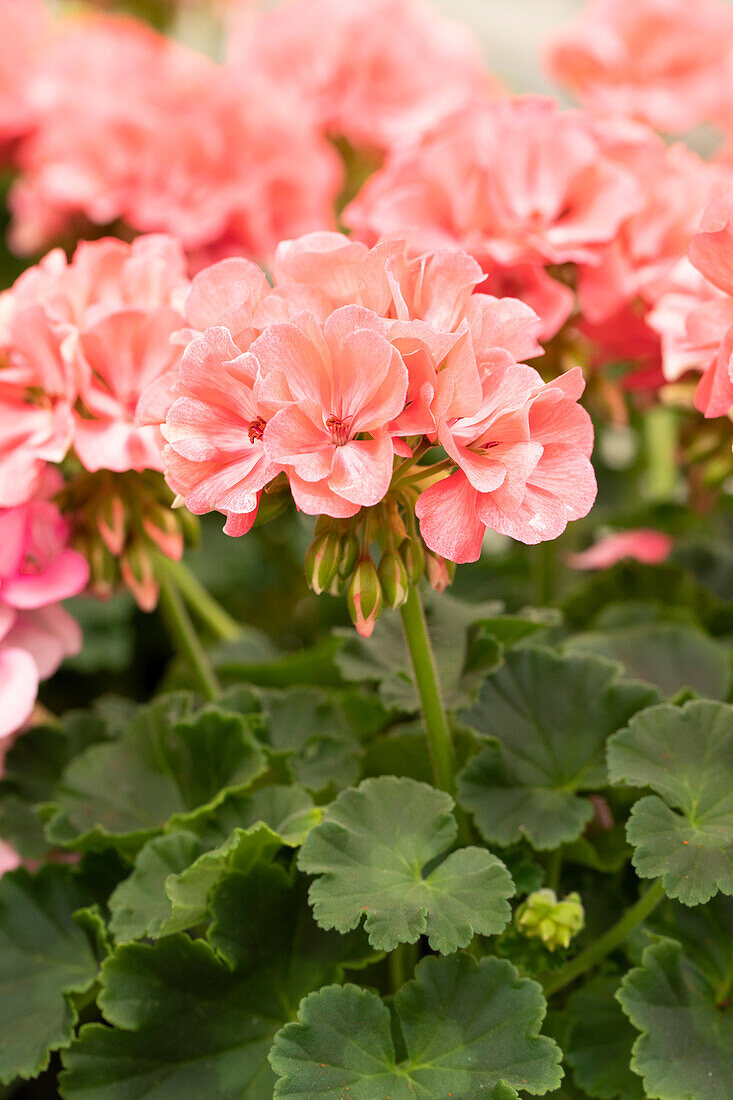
517	183
540	480
37	570
132	126
82	341
675	185
215	458
24	40
376	73
696	317
664	62
338	386
9	858
641	544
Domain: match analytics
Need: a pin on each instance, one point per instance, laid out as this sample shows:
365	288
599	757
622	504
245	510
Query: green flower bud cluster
554	922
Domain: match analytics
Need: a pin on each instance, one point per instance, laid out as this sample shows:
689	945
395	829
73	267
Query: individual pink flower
663	62
641	544
132	126
338	386
517	183
705	308
37	571
540	479
9	858
675	185
25	38
215	458
82	341
347	66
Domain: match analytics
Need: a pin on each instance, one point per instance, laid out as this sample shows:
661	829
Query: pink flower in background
642	544
26	28
82	340
695	318
675	185
664	62
542	477
37	571
378	73
517	183
132	126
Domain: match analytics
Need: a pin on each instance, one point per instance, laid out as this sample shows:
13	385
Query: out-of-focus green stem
185	638
660	440
201	602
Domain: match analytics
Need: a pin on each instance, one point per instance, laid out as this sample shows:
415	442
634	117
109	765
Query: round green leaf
371	853
685	1050
171	766
468	1028
44	957
685	754
598	1046
551	716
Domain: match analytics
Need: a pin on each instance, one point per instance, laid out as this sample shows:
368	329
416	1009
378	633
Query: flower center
339	429
256	428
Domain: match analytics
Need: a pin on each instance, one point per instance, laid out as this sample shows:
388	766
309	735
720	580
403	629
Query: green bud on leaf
554	922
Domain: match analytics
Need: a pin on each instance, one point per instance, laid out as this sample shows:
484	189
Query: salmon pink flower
338	386
542	477
641	544
695	318
89	336
517	183
663	62
215	458
346	65
132	126
23	45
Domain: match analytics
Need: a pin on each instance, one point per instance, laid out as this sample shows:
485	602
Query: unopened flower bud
137	571
393	579
413	555
349	554
322	560
112	524
438	571
162	527
365	599
554	922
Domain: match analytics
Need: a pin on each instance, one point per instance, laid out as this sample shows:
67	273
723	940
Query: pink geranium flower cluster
344	373
130	126
377	74
663	62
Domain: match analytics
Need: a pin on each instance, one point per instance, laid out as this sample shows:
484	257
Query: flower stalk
184	636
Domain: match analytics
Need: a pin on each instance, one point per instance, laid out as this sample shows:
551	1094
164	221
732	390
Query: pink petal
449	523
67	575
18	689
362	469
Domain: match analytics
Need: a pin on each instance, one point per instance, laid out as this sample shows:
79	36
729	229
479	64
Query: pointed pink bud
163	528
112	525
137	571
365	599
438	571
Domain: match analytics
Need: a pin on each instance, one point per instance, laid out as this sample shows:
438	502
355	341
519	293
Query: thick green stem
608	942
402	962
185	638
428	687
204	606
